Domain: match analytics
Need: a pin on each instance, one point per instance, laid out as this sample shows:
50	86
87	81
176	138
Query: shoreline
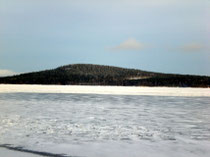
112	90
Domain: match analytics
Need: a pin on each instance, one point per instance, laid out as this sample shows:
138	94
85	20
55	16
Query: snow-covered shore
118	90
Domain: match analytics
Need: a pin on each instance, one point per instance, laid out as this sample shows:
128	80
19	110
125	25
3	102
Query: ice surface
95	125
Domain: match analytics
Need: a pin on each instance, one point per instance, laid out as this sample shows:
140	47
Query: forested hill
88	74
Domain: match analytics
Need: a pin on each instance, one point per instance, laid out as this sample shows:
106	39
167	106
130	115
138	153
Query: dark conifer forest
89	74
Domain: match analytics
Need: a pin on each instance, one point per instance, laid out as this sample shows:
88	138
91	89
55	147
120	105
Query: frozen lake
150	122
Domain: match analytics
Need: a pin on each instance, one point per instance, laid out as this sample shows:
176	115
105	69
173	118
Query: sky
170	36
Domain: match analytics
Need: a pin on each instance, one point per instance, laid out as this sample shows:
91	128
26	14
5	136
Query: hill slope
88	74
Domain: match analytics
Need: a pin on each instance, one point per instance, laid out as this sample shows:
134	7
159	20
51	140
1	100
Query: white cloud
4	72
129	45
193	47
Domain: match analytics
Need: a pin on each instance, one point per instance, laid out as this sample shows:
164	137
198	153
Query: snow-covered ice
116	90
82	122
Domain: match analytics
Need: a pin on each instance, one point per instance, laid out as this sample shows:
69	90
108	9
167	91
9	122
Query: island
90	74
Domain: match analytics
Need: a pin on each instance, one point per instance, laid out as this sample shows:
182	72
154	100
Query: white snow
117	90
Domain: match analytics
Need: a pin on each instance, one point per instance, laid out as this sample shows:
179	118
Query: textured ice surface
107	125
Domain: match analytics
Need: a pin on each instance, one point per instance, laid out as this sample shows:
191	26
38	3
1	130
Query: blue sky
170	36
